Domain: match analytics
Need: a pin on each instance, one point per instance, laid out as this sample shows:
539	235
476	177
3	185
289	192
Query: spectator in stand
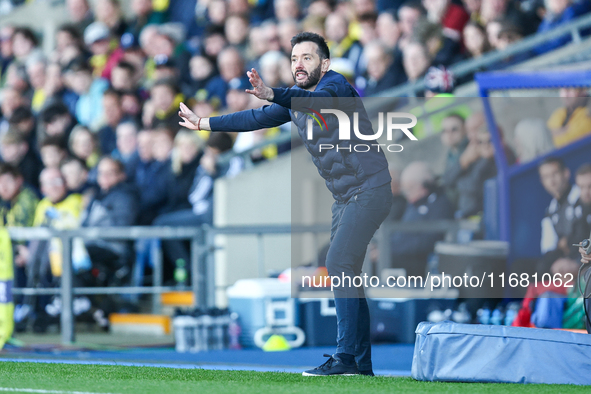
11	100
58	210
16	152
89	107
36	71
23	121
231	65
17	209
105	55
408	15
6	54
165	68
55	90
113	114
143	15
202	71
475	39
557	224
455	141
53	151
123	77
559	12
443	50
200	194
185	160
476	165
286	29
272	69
237	28
16	78
18	201
532	139
286	9
115	204
131	104
451	17
416	61
473	7
80	13
339	41
380	69
165	97
109	13
425	202
77	180
571	122
388	29
126	151
83	145
24	44
57	121
509	11
150	178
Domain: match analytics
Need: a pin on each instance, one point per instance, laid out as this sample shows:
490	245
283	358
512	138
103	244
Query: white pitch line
41	391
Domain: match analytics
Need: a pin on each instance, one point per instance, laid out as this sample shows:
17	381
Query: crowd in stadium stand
89	133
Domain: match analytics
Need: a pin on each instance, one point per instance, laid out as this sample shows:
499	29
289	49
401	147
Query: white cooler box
260	303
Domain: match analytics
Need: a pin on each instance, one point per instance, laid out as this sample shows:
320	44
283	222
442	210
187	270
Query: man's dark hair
415	5
118	163
168	82
9	169
54	111
72	30
79	64
221	141
127	66
74	159
317	39
56	141
27	33
21	114
584	169
112	92
553	160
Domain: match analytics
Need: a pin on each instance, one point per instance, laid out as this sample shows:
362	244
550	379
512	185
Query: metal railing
202	258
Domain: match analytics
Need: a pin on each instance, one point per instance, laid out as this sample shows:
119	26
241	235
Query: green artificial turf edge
145	380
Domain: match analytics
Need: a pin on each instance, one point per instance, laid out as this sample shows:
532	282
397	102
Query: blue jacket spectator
558	15
411	250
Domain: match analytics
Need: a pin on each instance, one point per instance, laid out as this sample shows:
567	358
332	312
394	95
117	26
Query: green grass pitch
69	378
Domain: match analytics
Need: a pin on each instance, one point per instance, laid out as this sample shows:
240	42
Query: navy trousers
354	223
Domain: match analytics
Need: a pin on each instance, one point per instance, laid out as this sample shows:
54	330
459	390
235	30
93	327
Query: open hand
260	90
190	120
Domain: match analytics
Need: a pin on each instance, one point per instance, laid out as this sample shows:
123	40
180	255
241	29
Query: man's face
51	156
145	142
408	18
377	62
554	179
108	175
112	108
58	126
52	185
584	183
13	153
453	132
9	186
306	66
74	174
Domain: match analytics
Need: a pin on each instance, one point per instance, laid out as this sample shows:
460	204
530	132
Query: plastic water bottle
496	317
183	333
198	345
483	316
206	331
234	331
217	341
180	273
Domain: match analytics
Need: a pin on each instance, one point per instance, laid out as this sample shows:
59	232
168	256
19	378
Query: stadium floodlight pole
359	180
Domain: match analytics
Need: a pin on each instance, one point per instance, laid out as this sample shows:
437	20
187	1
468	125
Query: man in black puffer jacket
359	180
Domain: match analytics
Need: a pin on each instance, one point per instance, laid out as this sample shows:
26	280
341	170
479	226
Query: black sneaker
333	366
368	372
